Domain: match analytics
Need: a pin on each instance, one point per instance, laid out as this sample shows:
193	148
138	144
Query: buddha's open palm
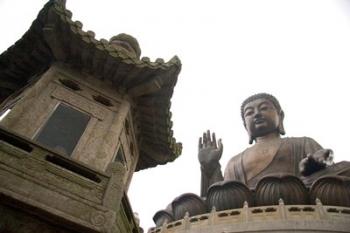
209	151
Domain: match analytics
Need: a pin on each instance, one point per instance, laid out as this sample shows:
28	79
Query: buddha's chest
272	156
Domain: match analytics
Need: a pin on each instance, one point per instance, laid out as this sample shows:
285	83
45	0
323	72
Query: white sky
297	50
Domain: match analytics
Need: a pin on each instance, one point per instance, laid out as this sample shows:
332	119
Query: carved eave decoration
54	37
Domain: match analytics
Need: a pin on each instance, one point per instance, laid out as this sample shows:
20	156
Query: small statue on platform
263	119
126	44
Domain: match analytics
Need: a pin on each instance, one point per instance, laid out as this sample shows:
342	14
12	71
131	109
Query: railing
248	215
38	178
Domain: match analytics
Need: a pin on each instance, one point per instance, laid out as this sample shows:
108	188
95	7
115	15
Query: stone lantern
79	117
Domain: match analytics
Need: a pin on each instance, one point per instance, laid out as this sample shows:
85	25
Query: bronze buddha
275	169
271	154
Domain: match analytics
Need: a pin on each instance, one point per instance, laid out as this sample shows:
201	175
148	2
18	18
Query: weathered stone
72	141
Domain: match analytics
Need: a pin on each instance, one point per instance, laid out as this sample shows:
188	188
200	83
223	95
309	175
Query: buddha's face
261	117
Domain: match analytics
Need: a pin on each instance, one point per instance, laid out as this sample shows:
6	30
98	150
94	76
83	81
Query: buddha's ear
280	126
251	139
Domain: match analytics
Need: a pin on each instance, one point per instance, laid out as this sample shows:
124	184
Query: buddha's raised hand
209	151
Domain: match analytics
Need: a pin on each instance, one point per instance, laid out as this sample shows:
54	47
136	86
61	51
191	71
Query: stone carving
262	117
97	219
127	44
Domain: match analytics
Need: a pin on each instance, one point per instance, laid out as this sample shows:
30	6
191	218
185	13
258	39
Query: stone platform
278	218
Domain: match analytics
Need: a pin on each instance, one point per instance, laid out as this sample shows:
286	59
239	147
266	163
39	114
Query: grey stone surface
280	218
59	191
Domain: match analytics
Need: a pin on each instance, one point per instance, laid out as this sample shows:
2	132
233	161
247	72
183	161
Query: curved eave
157	144
54	37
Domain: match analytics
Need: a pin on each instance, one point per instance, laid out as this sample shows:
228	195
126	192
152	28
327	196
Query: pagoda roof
55	37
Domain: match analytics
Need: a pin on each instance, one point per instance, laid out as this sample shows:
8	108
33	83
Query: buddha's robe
286	160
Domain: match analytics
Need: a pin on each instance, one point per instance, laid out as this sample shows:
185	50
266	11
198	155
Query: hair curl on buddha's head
270	98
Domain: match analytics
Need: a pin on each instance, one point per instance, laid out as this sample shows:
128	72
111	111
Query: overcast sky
297	50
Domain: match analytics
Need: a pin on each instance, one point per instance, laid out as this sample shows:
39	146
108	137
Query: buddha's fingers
204	140
208	137
200	143
220	146
214	141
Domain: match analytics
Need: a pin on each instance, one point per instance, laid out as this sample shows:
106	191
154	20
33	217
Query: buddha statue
274	170
270	153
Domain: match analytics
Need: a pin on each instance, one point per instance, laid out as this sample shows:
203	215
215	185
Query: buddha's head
262	115
126	42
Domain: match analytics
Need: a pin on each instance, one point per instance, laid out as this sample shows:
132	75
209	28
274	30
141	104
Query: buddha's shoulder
297	139
236	158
